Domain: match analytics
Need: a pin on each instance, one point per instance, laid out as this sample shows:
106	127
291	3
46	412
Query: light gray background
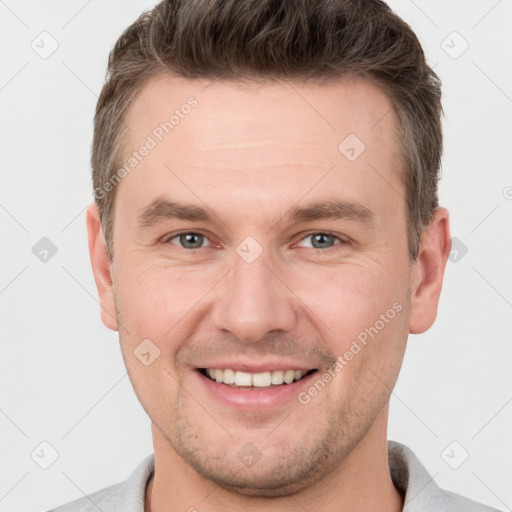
62	377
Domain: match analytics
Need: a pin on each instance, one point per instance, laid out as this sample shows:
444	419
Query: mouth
265	380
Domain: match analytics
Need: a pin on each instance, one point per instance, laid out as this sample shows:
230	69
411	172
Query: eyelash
342	241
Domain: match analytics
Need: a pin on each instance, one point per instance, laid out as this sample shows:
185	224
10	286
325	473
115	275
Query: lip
254	399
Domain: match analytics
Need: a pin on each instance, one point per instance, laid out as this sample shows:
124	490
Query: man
265	235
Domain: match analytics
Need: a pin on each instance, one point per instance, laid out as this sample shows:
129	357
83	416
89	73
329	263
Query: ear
428	272
101	267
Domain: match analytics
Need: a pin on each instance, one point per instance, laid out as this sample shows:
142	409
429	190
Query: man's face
255	288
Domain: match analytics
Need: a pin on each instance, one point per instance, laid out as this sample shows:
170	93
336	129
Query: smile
265	379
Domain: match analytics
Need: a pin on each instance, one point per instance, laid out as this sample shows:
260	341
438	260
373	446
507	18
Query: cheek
362	313
155	300
347	300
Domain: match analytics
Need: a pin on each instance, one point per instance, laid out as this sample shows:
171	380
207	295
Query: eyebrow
334	209
164	209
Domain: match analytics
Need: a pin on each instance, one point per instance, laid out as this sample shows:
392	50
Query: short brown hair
307	40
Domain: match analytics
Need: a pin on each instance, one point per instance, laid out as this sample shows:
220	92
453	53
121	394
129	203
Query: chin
268	482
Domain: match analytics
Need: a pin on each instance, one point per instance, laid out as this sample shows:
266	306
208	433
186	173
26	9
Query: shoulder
126	496
419	489
105	500
457	502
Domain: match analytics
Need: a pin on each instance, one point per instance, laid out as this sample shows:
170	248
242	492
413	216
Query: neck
361	482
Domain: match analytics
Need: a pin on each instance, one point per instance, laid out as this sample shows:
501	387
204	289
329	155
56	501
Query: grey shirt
409	476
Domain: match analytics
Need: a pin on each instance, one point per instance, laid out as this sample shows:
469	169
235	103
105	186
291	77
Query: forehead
259	138
321	109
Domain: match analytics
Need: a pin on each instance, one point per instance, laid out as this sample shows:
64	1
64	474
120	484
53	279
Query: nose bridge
253	301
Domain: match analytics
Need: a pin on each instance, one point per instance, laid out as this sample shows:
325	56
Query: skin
251	153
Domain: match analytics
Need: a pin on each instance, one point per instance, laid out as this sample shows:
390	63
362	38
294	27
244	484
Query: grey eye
320	240
191	240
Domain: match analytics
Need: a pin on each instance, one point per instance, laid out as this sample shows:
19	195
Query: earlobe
428	272
101	267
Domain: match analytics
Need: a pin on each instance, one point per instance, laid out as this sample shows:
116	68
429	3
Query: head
265	180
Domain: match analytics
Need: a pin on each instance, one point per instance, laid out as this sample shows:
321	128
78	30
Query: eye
193	240
321	240
188	240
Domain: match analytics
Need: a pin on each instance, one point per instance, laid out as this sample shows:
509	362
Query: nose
254	301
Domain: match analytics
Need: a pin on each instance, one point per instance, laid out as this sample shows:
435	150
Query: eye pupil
322	240
191	240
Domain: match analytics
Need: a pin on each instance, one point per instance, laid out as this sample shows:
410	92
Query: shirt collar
413	481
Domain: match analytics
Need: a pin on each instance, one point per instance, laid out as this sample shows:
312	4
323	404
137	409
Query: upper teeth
260	380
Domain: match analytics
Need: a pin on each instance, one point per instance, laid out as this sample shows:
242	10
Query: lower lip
260	399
